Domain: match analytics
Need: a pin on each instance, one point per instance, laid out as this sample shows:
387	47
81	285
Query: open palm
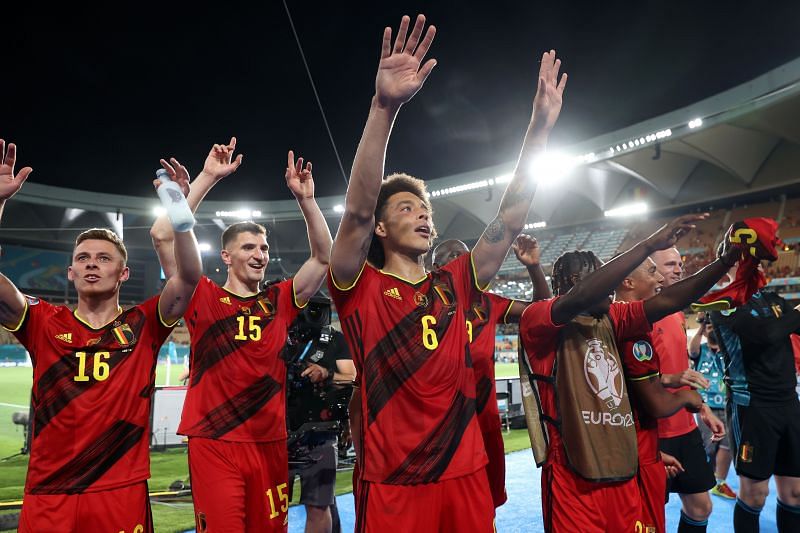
399	73
550	92
10	183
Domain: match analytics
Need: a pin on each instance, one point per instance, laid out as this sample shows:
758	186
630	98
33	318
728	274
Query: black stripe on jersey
429	460
484	390
397	357
236	410
215	345
56	388
401	352
353	329
479	313
91	463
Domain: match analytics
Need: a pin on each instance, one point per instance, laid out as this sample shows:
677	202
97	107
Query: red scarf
758	239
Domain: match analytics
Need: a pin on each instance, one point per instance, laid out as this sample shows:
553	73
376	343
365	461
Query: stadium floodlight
627	210
536	225
338	208
695	123
204	247
241	214
551	167
159	211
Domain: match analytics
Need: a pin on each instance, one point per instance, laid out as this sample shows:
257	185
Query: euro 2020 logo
603	375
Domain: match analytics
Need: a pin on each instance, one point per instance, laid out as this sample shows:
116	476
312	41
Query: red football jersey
237	379
92	390
640	361
411	350
669	340
541	339
485	312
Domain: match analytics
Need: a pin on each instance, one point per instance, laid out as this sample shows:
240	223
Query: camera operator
328	366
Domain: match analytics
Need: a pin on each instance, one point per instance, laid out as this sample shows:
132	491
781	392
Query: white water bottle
173	200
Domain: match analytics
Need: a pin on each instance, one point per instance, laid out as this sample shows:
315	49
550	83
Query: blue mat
523	510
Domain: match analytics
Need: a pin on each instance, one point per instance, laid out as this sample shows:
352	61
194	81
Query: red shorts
460	504
126	510
496	468
653	489
570	503
239	486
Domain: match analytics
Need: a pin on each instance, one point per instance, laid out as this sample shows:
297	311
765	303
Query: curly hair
570	264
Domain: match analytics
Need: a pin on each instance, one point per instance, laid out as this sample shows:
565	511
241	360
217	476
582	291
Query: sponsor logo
226	300
420	299
66	337
642	351
603	374
393	293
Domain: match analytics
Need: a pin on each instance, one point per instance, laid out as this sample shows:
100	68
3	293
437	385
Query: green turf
506	370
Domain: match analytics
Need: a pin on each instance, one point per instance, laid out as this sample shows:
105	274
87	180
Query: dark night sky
93	97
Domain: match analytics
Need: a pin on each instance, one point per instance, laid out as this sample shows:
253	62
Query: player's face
97	268
648	280
406	226
449	251
669	264
247	256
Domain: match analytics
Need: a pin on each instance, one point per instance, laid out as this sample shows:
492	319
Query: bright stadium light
159	211
627	210
550	168
536	225
695	123
204	247
338	208
241	214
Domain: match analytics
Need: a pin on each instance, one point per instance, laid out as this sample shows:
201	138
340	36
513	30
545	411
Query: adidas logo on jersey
393	293
66	337
226	300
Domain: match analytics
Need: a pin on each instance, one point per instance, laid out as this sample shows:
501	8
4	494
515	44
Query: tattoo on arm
495	231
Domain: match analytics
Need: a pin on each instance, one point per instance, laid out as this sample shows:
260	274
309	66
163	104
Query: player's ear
226	257
380	229
125	274
70	274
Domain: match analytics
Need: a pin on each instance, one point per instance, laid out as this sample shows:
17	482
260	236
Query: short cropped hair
392	185
236	228
104	234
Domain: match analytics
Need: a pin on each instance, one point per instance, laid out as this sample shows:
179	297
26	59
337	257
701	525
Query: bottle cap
163	175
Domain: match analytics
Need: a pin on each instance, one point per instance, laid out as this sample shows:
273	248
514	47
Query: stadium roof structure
739	142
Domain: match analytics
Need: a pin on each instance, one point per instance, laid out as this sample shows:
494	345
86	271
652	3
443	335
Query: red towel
758	239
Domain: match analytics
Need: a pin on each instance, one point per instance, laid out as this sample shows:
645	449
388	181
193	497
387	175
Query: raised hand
549	93
220	161
399	73
668	234
9	183
527	250
177	173
299	179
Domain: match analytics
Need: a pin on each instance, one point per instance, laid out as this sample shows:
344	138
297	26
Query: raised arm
593	288
491	249
310	276
219	163
527	250
12	302
679	295
697	339
180	287
400	75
